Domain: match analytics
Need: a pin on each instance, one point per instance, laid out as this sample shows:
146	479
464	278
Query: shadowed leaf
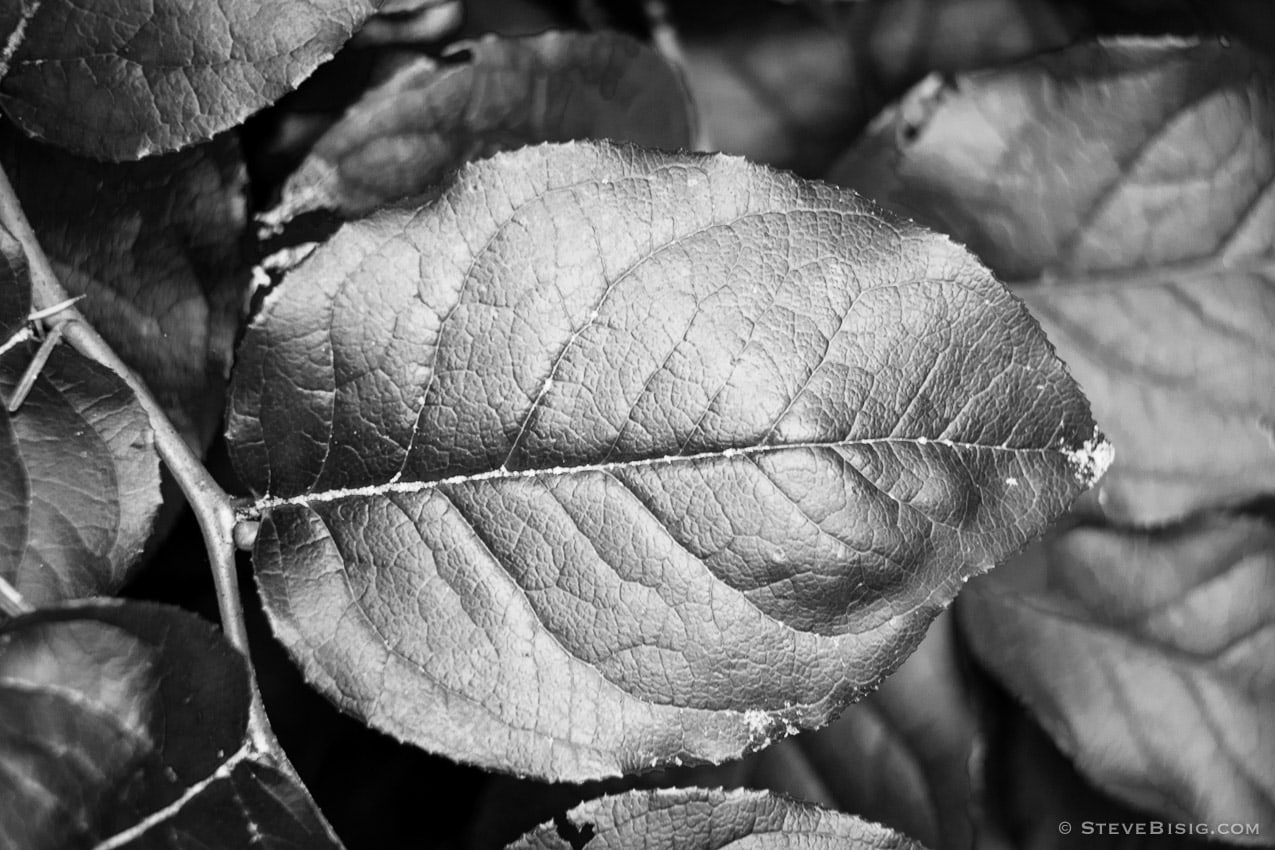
122	725
1126	190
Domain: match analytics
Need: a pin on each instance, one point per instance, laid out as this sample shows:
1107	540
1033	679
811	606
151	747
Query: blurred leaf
404	136
410	22
125	80
78	468
1150	658
160	250
1126	192
793	85
122	725
700	819
657	457
909	756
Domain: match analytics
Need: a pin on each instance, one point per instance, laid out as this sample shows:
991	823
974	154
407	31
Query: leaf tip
1089	461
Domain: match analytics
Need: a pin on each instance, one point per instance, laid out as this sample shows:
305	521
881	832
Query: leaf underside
612	457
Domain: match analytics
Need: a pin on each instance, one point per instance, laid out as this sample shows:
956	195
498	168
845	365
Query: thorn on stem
35	367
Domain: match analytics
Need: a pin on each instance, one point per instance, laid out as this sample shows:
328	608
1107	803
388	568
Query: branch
210	503
11	602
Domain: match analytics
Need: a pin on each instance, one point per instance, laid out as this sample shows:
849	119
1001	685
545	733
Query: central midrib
267	502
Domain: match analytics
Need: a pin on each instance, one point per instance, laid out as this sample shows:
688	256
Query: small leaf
160	250
122	725
133	79
404	136
1147	657
612	457
1125	190
78	468
700	819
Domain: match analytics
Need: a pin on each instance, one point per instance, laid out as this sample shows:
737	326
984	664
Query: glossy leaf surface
612	457
124	80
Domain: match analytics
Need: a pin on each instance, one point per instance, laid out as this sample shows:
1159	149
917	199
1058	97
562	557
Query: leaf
15	288
160	249
78	468
700	819
135	79
404	136
792	85
612	457
1126	192
909	756
1148	658
122	724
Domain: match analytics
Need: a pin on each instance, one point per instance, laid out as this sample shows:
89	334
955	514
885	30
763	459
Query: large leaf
78	468
404	136
1150	659
123	725
700	819
159	250
132	79
612	457
1127	190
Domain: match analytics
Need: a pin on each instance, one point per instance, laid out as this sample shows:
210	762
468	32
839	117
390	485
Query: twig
210	503
11	602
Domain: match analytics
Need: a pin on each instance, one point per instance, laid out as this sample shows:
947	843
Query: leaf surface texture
611	457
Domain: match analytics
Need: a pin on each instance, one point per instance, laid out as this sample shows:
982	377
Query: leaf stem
209	502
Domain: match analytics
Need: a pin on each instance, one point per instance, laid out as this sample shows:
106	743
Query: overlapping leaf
131	79
159	250
1128	190
78	469
792	84
122	725
700	819
404	136
612	457
1148	657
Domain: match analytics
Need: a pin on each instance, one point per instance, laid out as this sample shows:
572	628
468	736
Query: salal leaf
1147	657
612	457
703	819
1125	191
404	136
78	468
131	79
122	725
160	251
